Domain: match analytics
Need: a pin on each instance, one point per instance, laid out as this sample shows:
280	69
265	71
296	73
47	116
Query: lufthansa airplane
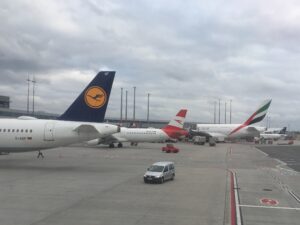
173	130
80	122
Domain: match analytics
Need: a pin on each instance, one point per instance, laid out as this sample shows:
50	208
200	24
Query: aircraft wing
94	131
114	138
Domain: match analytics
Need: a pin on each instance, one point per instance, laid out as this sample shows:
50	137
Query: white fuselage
141	135
225	129
17	135
272	136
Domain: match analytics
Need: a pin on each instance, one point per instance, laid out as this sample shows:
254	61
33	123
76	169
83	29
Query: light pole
134	88
28	88
33	87
230	110
148	108
126	105
215	112
225	112
219	110
121	110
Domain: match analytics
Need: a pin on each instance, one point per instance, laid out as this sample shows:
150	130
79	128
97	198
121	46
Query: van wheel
161	180
173	176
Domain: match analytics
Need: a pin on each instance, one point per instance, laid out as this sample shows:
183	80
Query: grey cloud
186	54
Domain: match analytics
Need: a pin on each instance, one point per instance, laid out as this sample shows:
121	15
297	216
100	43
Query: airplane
173	130
79	123
222	131
274	133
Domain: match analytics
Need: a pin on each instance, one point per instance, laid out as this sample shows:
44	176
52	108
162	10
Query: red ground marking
269	201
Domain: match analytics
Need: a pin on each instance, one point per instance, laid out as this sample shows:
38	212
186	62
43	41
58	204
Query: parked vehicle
170	148
199	140
212	141
159	172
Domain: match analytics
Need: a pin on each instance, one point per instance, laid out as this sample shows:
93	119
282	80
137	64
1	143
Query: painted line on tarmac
269	207
261	151
279	161
295	196
237	201
236	217
290	171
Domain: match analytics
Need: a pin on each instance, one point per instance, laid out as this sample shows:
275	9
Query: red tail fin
175	127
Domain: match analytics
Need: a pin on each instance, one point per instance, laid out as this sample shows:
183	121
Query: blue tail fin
283	130
91	104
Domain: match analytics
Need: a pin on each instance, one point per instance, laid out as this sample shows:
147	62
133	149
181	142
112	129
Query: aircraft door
48	132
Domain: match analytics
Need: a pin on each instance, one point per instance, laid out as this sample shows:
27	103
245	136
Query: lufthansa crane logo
95	97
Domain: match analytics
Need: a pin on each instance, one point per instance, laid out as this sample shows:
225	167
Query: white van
160	172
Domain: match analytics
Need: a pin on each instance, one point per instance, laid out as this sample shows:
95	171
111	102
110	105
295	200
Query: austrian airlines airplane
173	130
222	131
32	134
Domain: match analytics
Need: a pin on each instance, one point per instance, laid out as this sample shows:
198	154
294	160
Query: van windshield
156	168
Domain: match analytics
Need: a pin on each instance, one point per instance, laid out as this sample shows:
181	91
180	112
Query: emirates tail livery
222	131
79	123
173	130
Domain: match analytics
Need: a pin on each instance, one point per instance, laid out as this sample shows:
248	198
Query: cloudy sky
185	53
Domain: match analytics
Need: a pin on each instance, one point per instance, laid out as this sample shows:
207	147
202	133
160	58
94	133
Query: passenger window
13	130
0	130
21	130
166	169
26	130
17	130
8	130
30	131
4	130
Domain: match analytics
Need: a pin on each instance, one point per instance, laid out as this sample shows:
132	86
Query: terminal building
6	112
4	102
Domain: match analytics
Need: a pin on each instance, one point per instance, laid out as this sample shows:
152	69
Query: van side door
166	172
172	170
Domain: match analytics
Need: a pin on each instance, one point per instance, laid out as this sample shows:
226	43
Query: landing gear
40	154
120	145
133	143
111	145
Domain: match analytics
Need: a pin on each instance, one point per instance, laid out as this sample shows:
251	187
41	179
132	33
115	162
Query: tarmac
79	185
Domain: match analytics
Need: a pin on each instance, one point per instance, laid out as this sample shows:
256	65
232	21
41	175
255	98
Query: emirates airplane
173	130
78	124
222	131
